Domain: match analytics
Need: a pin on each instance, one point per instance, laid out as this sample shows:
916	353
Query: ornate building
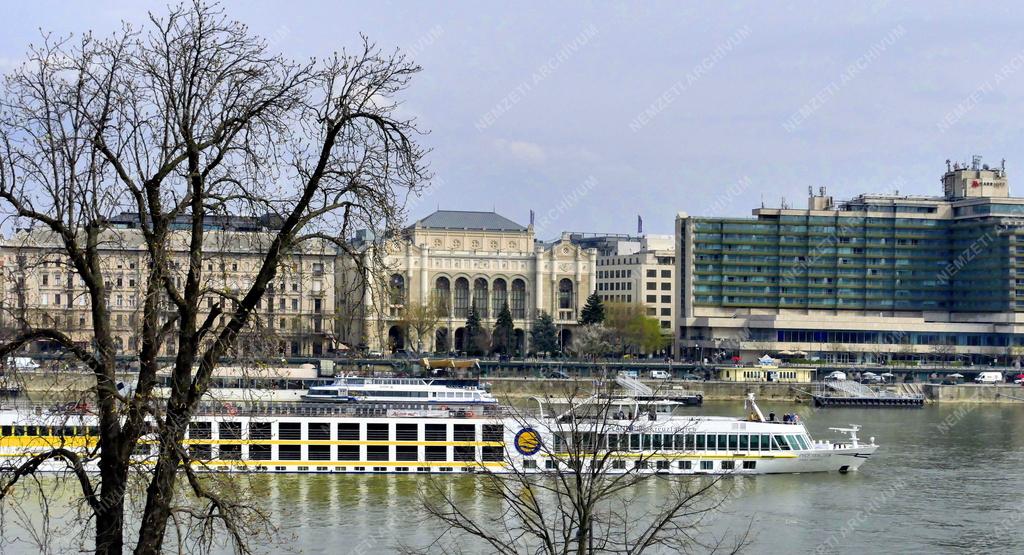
453	260
296	315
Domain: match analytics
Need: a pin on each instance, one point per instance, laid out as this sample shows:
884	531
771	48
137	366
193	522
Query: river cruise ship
398	390
452	438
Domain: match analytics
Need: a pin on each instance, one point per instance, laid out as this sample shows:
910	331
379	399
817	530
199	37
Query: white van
22	363
837	376
660	375
989	377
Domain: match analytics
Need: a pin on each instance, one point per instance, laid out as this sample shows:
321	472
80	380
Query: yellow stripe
339	442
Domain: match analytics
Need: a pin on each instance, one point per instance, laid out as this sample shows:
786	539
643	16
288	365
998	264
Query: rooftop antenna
1002	165
810	191
948	168
975	161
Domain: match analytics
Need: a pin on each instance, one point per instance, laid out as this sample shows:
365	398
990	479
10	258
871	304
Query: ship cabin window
685	465
634	442
780	443
755	442
549	464
377	432
289	430
436	432
465	432
661	465
619	464
377	452
744	444
680	442
722	438
406	453
259	452
407	432
495	432
433	453
348	452
200	452
259	430
289	452
529	464
319	452
231	452
229	430
465	454
728	465
348	431
492	454
200	430
319	430
5	430
707	465
639	465
734	442
700	442
749	465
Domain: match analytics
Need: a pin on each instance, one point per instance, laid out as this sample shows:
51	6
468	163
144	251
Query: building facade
452	261
636	269
877	278
296	317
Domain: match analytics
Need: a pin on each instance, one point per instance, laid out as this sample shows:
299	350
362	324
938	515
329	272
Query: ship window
231	452
766	442
680	442
349	431
780	442
229	430
493	454
199	430
707	465
700	442
348	452
319	452
289	430
465	454
289	452
794	443
407	432
549	464
655	441
465	432
530	464
612	442
494	432
722	442
5	430
804	442
259	452
406	453
634	442
377	432
259	430
743	442
436	432
319	430
685	465
749	465
661	465
377	452
201	452
733	442
639	465
712	445
435	453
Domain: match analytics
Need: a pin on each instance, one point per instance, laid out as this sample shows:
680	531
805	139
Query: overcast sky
590	115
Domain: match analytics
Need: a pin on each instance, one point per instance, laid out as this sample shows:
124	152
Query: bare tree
583	498
421	319
182	122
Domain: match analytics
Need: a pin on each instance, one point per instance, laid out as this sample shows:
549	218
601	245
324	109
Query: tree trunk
160	493
110	513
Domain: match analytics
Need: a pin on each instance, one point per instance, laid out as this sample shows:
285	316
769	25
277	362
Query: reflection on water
946	479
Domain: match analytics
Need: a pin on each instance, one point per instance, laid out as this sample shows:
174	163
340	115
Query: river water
946	479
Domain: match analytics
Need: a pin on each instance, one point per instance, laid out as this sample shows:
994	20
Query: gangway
635	387
850	388
847	393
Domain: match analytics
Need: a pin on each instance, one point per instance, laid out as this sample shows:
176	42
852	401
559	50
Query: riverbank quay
521	388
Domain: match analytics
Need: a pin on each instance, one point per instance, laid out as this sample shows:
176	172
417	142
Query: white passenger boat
398	390
426	437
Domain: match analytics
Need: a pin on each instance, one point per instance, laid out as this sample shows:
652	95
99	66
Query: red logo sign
975	183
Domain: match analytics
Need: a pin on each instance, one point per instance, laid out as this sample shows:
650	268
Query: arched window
461	298
397	289
499	296
480	297
565	299
443	296
518	302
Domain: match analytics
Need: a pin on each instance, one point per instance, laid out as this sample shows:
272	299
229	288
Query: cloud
521	151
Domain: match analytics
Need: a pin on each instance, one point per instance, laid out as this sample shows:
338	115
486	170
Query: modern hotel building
879	277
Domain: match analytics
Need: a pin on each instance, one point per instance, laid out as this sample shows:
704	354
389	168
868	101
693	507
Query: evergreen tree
544	335
474	332
502	342
593	311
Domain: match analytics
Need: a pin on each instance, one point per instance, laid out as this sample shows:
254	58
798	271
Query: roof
465	219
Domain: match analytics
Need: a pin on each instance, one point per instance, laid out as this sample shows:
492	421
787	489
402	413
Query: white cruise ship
398	390
424	437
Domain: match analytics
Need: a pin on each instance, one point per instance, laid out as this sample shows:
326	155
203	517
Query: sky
591	114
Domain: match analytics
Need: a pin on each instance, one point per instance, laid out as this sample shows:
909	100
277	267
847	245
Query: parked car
837	375
989	378
693	378
660	375
554	375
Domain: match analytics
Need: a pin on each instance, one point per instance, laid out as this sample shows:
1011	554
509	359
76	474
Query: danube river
946	479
